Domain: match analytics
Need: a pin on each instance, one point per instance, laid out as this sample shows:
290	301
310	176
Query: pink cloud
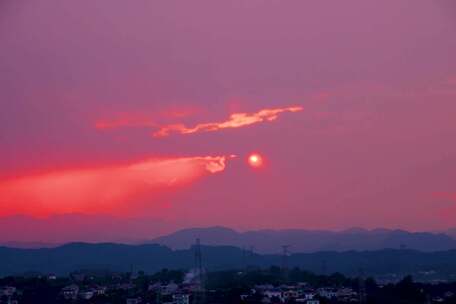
235	120
101	189
124	122
143	120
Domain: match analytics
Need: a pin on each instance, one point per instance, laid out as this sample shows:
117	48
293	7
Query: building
134	301
100	290
70	292
290	294
347	295
7	291
86	294
301	300
274	294
126	286
181	298
154	287
169	289
308	295
327	293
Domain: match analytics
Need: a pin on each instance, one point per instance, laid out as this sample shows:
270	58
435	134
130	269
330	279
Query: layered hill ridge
270	241
26	232
150	258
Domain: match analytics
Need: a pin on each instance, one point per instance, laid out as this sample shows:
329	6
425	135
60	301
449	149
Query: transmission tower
244	259
158	296
199	295
324	267
362	287
198	260
251	257
285	254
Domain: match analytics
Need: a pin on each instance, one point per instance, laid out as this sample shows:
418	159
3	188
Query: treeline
225	287
151	258
274	276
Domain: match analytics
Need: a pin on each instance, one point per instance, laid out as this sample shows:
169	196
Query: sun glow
255	160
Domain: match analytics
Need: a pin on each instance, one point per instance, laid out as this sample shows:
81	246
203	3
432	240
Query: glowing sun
255	160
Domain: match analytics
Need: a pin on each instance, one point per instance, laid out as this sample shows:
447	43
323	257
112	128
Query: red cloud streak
235	120
101	189
445	195
123	122
142	120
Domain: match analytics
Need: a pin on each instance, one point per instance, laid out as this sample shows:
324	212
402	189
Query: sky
150	109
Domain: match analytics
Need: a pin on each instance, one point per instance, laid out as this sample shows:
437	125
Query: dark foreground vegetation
270	285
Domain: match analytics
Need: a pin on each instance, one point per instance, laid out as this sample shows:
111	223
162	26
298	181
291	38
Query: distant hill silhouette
451	233
151	258
270	241
27	232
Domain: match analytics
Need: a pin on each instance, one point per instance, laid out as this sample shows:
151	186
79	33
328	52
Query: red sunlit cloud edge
235	120
101	189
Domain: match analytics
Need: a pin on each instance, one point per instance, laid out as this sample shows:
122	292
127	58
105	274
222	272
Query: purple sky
374	145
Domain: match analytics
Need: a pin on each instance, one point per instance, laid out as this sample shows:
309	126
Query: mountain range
26	232
378	251
304	241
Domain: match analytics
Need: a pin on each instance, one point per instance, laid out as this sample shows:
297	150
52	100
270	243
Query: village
192	287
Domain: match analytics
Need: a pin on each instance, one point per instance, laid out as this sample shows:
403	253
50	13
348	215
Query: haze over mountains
30	232
270	241
25	232
378	251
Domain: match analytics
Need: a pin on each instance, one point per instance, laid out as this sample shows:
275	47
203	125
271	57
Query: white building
100	290
308	295
169	288
134	301
327	293
70	292
86	294
7	291
291	294
181	298
346	292
274	294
